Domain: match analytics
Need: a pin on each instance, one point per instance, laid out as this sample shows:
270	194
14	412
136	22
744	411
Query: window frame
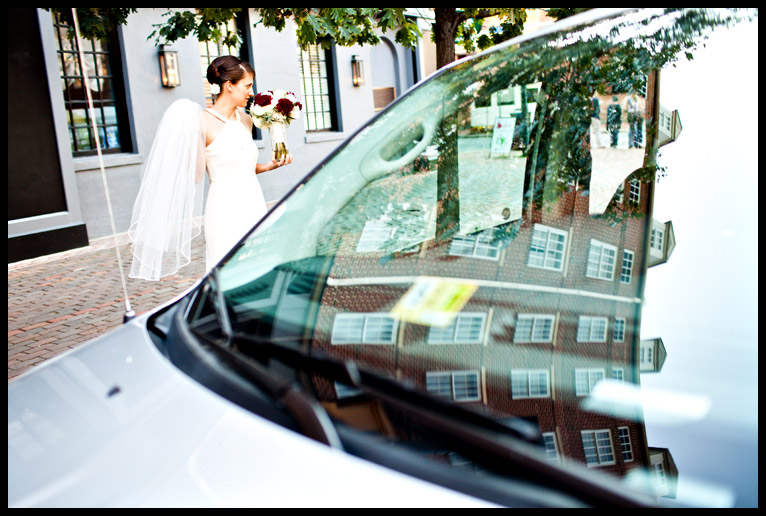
528	384
547	251
634	192
597	434
620	323
601	263
110	52
590	319
363	338
435	338
626	447
477	242
535	318
329	57
591	377
626	268
453	375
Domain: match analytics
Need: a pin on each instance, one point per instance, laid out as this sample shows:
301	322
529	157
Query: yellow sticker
433	301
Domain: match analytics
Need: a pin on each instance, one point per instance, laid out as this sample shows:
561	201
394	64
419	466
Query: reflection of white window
551	448
467	328
657	235
374	236
601	258
586	380
530	383
534	328
618	373
591	329
597	445
625	447
454	385
476	246
546	251
371	328
627	266
659	475
619	329
634	194
647	353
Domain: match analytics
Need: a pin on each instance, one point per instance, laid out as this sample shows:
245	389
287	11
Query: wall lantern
169	70
356	70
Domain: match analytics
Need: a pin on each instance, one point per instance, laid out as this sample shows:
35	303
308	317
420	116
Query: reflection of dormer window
546	250
618	373
658	235
660	477
476	246
467	328
601	259
647	354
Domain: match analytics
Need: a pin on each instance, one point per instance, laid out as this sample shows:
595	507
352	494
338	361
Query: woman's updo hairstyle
228	68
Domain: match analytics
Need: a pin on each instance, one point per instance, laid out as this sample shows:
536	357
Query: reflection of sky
704	301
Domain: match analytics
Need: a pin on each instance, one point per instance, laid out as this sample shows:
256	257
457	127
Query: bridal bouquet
275	110
275	106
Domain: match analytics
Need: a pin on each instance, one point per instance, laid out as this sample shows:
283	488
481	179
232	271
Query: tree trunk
445	28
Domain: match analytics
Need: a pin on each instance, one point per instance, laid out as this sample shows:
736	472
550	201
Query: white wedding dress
235	200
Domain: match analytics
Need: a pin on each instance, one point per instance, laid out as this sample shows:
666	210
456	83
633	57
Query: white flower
215	89
258	111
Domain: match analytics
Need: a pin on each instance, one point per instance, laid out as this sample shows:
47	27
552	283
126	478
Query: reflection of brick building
555	312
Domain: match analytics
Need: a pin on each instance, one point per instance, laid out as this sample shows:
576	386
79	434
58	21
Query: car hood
113	423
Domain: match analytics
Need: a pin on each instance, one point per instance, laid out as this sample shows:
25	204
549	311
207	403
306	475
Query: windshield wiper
496	446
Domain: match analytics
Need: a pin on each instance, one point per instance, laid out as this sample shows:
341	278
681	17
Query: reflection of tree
570	75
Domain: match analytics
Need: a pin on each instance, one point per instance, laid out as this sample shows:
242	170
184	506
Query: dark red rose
262	100
284	107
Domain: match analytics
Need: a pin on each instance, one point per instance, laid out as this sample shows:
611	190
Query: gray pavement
58	302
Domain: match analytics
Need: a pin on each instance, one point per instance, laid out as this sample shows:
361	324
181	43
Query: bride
188	141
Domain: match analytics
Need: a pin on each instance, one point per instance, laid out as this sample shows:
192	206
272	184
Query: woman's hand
285	160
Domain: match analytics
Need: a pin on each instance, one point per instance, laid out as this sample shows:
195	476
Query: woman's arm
265	167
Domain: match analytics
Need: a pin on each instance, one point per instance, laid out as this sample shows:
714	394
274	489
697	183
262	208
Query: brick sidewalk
59	301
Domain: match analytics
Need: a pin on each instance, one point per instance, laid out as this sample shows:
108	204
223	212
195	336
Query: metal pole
129	313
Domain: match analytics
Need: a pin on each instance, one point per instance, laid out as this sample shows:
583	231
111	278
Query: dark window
105	84
318	88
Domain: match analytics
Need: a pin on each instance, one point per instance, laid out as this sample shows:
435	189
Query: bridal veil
163	226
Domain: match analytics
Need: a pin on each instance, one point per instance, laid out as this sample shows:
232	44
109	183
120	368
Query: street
57	302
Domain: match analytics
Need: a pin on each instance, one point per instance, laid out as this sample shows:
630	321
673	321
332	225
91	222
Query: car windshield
489	241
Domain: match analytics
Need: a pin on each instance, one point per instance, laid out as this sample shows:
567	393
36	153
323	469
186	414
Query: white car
445	312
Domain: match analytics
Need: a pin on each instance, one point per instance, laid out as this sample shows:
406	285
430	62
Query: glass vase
278	132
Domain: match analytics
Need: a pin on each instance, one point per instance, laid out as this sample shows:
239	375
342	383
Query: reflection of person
613	120
635	120
187	141
595	124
